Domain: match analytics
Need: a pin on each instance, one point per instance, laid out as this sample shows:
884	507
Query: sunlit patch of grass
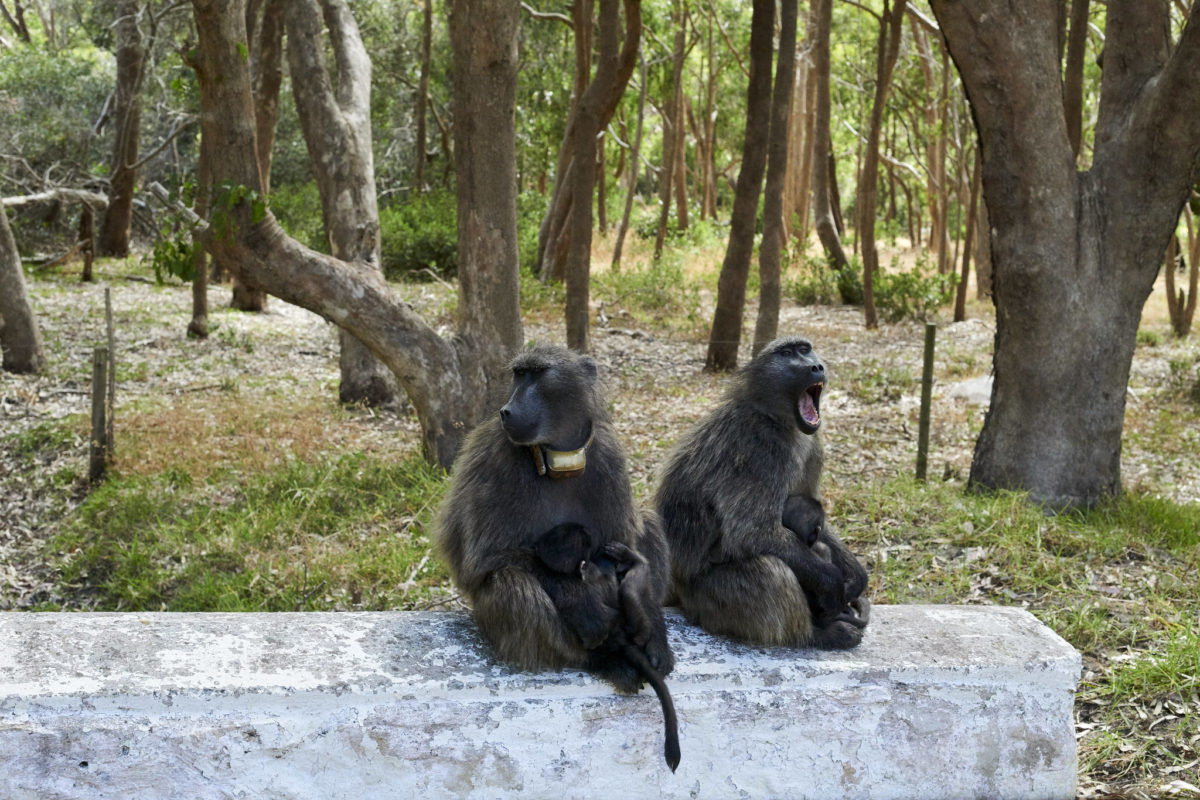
349	533
227	432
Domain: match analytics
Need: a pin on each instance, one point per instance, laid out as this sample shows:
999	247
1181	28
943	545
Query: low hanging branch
94	199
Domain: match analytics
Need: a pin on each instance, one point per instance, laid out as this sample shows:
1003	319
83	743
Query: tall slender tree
726	331
823	182
113	238
770	251
891	24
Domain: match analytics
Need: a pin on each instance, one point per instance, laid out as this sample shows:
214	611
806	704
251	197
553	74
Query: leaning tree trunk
556	246
770	251
451	381
1075	254
726	332
337	130
113	239
20	338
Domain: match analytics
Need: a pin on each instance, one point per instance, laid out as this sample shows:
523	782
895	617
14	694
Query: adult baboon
549	457
598	592
723	496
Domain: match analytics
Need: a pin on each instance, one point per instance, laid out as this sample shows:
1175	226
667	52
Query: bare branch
533	12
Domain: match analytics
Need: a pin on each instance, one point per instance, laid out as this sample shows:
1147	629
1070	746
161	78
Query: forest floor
259	394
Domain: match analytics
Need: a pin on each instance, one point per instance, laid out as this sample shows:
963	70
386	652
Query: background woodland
666	184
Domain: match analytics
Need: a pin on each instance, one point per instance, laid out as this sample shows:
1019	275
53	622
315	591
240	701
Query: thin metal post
926	397
98	459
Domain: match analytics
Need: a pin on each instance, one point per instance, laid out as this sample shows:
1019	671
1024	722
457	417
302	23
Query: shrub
418	234
915	294
298	209
816	283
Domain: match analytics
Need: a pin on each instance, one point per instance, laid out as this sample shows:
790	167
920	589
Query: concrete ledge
937	702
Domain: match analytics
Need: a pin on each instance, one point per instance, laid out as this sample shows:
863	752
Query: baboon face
550	394
790	367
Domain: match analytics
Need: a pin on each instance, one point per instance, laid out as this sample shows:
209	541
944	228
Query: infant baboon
729	490
549	457
598	593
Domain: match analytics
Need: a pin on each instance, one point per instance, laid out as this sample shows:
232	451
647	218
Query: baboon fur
598	593
722	495
498	506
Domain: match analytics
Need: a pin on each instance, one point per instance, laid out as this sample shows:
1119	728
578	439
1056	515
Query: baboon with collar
551	456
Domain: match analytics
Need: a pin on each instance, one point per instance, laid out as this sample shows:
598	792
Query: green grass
348	534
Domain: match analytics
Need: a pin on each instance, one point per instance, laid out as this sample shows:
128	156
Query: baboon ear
588	364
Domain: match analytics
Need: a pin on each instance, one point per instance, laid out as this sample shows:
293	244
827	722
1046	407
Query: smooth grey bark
1075	254
20	338
451	381
335	115
113	238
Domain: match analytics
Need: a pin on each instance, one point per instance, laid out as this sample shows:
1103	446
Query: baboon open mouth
809	407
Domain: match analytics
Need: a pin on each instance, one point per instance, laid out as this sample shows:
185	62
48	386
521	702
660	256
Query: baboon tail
670	721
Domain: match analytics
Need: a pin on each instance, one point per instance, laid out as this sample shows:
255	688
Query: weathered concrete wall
937	702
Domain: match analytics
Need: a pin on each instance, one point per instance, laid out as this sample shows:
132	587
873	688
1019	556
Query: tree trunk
822	178
771	249
960	295
20	338
614	66
983	251
337	130
726	331
118	217
672	120
87	240
422	92
451	381
264	23
1073	73
797	191
634	169
1181	305
1075	254
888	49
198	327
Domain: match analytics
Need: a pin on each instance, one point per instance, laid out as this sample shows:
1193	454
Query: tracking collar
562	463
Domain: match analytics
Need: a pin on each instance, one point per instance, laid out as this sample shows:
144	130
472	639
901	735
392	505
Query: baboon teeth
810	400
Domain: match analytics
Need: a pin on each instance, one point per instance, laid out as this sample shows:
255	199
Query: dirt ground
262	386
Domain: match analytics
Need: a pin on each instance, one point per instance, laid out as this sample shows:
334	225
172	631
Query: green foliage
43	438
420	234
915	294
48	102
531	208
660	293
174	256
1149	338
341	535
298	209
814	282
811	283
